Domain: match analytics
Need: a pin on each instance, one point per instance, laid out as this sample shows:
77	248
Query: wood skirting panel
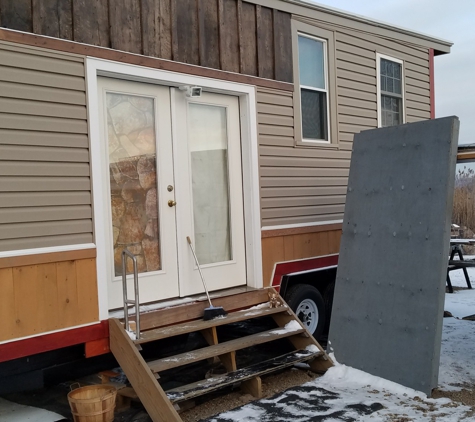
45	297
292	247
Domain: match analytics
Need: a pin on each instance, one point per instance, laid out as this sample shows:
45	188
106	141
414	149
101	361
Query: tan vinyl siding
45	186
298	185
304	185
356	78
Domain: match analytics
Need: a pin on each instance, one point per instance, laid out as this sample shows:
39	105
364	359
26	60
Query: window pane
314	114
311	63
208	145
391	76
383	83
133	180
390	110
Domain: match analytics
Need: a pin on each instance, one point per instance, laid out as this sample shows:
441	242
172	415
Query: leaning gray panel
389	296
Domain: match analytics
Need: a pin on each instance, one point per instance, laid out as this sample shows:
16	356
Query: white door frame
250	158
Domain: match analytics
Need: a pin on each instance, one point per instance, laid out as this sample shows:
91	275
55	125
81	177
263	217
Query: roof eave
439	45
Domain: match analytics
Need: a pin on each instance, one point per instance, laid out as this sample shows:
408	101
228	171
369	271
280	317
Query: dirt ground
271	385
277	383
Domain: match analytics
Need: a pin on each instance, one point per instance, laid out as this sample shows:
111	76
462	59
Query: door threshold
168	303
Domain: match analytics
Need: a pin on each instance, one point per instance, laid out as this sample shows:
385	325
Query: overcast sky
449	20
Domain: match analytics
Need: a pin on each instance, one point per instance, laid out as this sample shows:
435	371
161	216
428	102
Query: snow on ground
457	360
348	394
13	412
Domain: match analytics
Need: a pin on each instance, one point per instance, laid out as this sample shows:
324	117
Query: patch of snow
261	306
13	412
343	388
289	327
155	306
312	348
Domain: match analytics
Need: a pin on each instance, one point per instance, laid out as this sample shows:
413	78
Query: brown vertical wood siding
230	35
45	187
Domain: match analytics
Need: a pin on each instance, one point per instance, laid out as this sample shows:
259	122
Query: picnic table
461	263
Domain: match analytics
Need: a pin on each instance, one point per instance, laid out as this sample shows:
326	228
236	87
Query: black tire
303	299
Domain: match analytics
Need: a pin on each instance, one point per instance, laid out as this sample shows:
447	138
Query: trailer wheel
307	303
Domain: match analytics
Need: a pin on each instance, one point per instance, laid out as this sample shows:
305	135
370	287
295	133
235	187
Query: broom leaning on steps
212	311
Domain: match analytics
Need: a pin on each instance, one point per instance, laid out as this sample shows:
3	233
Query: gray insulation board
389	295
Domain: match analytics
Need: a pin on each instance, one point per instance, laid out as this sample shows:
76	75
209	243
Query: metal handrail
126	253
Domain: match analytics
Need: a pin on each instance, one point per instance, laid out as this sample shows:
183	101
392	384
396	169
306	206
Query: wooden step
199	388
190	311
143	381
192	326
223	348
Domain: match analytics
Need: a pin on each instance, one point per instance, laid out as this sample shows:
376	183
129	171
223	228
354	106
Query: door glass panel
133	180
208	145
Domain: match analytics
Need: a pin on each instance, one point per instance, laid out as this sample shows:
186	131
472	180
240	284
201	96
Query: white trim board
299	225
51	249
248	115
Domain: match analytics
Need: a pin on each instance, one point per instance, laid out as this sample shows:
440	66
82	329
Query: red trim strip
47	342
284	268
431	83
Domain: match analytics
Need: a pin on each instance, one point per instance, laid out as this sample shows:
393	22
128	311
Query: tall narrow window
313	83
391	92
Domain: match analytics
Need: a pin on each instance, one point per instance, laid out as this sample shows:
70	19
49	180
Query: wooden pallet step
189	311
223	348
199	388
198	325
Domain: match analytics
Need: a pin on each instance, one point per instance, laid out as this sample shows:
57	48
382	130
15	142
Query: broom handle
199	269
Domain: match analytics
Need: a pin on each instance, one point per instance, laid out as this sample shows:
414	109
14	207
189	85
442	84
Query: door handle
171	203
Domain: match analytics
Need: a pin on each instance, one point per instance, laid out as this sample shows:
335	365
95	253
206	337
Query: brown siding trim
46	258
300	230
464	156
129	58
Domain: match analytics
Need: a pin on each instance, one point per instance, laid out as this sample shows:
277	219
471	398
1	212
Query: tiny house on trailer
133	124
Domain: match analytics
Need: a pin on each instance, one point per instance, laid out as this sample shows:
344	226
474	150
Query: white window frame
327	38
311	88
380	56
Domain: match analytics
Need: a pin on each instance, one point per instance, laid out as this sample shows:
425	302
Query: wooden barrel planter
94	403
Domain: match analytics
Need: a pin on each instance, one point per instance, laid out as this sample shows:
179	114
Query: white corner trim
51	249
298	225
251	194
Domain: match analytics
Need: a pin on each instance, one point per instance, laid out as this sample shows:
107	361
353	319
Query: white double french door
174	170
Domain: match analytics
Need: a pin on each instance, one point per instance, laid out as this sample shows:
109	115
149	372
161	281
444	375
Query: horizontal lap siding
306	185
356	80
45	186
298	185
